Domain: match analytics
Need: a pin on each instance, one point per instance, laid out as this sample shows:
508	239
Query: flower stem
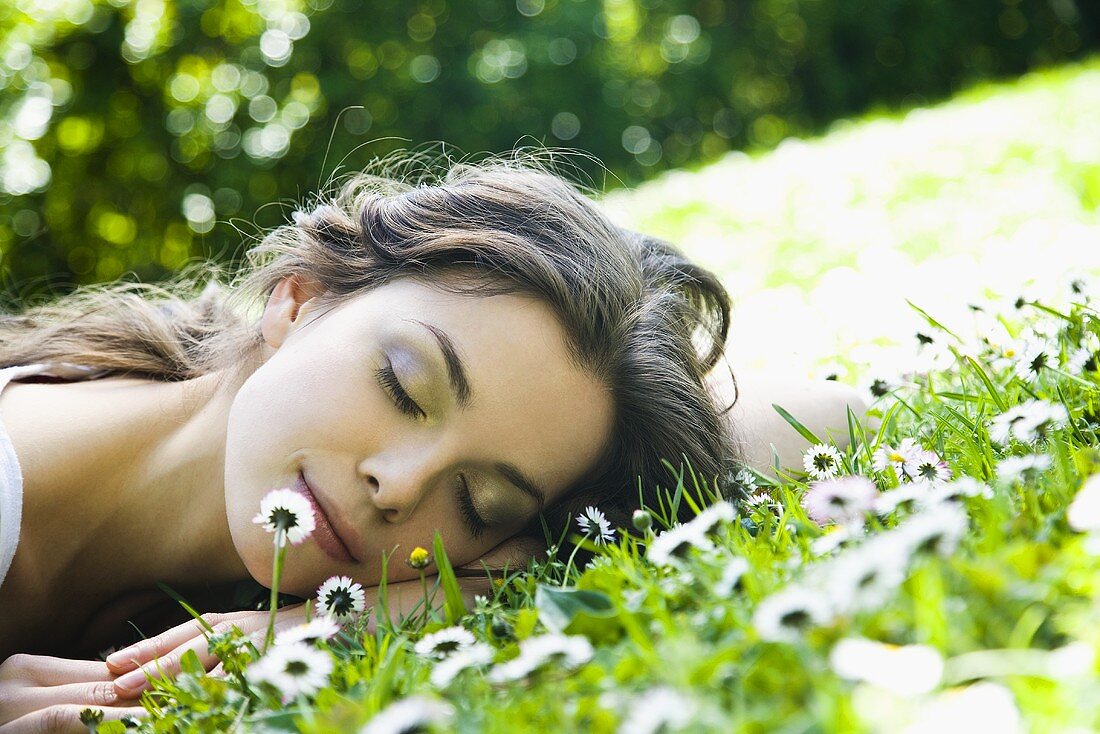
277	571
568	565
427	604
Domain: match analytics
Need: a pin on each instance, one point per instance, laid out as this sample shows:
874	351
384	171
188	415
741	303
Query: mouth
325	534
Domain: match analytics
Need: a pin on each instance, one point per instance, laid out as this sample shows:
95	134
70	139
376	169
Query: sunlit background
831	158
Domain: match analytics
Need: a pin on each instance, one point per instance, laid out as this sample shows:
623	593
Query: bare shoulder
819	405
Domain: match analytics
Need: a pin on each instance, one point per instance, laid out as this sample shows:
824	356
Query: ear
291	299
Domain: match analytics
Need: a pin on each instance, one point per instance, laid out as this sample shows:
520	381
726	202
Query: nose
397	486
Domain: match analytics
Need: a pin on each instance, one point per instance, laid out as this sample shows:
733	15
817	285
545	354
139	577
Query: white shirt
11	475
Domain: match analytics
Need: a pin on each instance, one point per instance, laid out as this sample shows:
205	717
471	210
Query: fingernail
120	657
131	681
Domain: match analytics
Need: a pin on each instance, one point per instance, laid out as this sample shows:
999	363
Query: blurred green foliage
136	135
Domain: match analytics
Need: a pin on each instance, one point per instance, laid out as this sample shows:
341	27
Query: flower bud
419	558
91	717
502	630
642	520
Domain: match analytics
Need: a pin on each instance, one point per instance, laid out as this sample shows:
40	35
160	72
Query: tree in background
136	135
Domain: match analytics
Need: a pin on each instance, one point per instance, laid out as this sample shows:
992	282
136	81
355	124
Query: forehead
531	404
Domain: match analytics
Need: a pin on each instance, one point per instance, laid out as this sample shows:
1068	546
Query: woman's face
389	454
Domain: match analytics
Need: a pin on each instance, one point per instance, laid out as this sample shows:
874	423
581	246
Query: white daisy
893	456
444	642
1086	353
1028	421
659	709
295	669
1038	417
839	500
1013	468
321	628
783	616
867	576
834	537
287	510
821	461
926	467
569	651
595	523
756	499
1083	514
878	386
475	655
746	479
983	706
957	489
1075	361
905	496
907	670
938	529
1036	357
672	545
720	511
341	598
1001	427
409	715
735	569
1006	353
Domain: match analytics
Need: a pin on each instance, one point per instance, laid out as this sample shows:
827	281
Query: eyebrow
516	477
456	371
460	386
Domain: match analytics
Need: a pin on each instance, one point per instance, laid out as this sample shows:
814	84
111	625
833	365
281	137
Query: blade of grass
930	320
985	380
179	599
806	433
453	606
854	428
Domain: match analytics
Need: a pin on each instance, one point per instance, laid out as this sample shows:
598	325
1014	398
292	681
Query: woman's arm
820	405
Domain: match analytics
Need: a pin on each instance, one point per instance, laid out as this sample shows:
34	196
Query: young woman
476	356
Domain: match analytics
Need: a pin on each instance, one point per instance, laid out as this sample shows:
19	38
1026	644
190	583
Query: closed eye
387	378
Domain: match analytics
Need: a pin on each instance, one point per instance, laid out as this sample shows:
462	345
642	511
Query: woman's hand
40	693
160	656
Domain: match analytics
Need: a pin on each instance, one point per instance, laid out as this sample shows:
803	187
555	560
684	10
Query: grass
821	241
964	603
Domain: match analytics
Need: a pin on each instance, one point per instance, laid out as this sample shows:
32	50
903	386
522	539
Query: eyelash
392	385
388	379
474	523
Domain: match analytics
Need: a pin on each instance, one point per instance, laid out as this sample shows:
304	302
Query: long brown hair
641	317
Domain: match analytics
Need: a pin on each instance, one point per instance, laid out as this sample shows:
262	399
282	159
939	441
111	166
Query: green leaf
453	606
985	379
560	608
190	663
805	432
1086	460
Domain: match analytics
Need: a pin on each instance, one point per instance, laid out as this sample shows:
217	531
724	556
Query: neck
124	484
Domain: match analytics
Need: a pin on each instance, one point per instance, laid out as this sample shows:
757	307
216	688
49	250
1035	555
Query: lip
325	534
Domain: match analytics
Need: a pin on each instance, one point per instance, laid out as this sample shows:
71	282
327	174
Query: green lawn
821	241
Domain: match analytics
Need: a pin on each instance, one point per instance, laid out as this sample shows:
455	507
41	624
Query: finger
98	694
64	719
46	670
131	685
157	659
148	649
167	665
